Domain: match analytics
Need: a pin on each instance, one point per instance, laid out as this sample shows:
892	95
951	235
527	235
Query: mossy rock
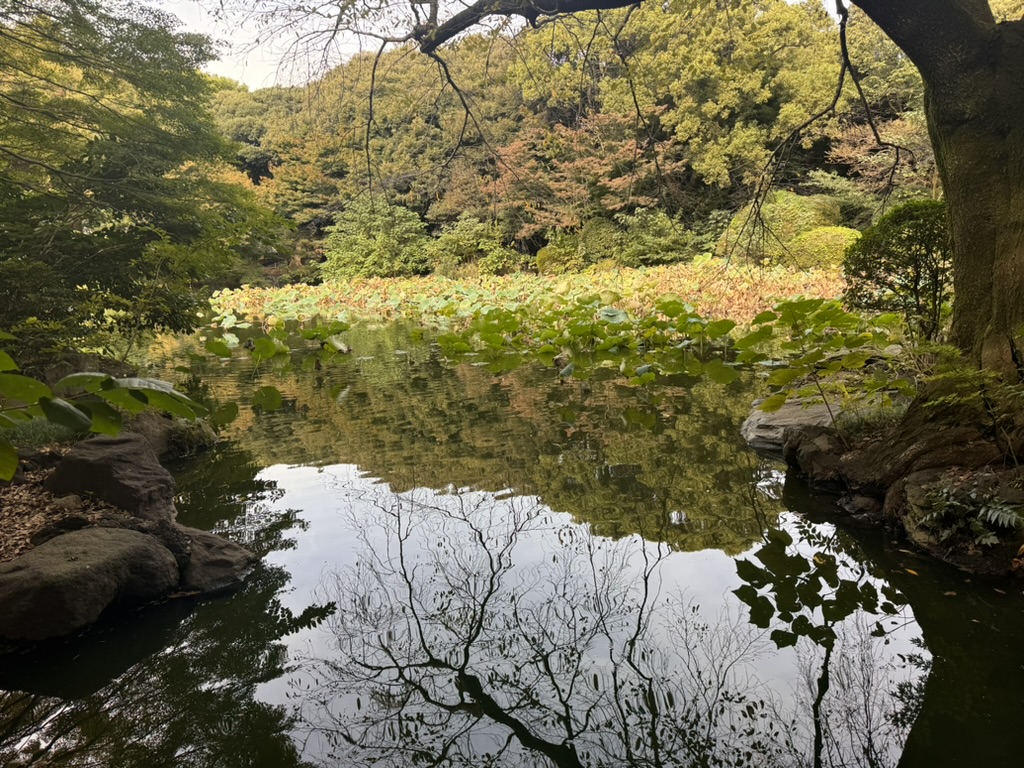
820	247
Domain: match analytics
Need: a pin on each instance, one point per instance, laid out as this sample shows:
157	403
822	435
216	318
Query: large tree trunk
973	71
977	130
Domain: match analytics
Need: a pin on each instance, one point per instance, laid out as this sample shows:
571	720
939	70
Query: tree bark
973	70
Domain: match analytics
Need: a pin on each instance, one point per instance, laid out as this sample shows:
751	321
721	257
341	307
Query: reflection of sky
343	509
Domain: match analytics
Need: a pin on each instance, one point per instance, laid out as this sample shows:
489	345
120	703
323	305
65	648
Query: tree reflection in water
482	632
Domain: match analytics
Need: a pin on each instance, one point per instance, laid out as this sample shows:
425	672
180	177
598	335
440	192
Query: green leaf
8	460
719	372
783	377
773	403
105	419
59	411
218	347
7	362
764	317
5	336
224	415
14	386
268	399
719	328
856	359
762	334
264	348
612	315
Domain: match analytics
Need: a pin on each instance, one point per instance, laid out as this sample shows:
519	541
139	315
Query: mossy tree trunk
973	69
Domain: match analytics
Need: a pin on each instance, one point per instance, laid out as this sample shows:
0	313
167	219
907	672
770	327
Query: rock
216	564
764	431
122	471
78	362
866	509
66	583
173	438
814	451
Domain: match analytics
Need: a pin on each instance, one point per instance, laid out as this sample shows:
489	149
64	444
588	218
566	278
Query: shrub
469	241
599	239
821	247
561	254
902	264
653	238
783	217
375	240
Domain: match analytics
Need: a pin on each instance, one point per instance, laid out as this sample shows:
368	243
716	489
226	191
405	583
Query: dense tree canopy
114	198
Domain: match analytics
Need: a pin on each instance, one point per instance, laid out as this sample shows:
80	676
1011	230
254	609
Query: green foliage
819	345
903	264
653	238
973	509
373	239
821	247
562	254
78	403
112	214
469	241
764	235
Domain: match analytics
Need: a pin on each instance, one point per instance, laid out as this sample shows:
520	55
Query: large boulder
122	470
173	438
765	432
215	564
65	584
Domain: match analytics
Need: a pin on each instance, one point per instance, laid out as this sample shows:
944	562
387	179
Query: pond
478	563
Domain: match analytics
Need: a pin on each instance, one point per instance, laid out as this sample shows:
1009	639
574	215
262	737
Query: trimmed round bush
784	216
904	264
821	247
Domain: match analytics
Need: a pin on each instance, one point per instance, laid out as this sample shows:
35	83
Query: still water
477	564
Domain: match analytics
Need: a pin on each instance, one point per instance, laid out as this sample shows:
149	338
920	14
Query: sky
258	66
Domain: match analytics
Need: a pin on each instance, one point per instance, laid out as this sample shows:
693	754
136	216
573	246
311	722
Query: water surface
479	564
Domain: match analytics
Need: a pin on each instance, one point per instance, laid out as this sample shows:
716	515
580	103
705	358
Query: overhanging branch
430	36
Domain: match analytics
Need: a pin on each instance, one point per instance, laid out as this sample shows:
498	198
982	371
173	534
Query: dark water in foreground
473	565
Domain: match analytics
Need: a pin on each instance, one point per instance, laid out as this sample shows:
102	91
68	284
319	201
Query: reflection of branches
476	632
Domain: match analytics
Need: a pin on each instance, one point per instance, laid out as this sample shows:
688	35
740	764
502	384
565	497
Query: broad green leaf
8	460
773	403
59	411
856	359
173	403
264	348
613	315
719	372
7	362
783	377
5	336
719	328
132	401
14	386
762	334
105	419
764	317
224	415
218	348
268	398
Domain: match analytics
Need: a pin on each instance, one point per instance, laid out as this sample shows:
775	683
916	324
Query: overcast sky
256	66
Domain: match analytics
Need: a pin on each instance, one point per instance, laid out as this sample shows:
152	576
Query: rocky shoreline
936	477
93	532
